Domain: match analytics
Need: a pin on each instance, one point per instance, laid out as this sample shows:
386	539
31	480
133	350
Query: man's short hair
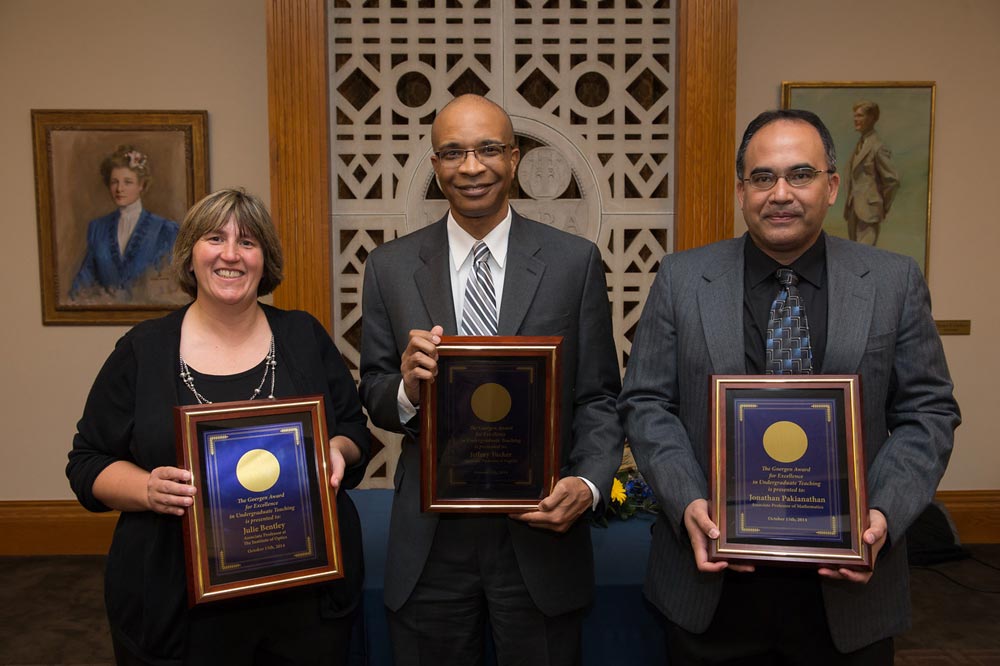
868	108
800	115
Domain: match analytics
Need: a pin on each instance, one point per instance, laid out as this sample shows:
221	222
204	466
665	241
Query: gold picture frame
70	150
897	146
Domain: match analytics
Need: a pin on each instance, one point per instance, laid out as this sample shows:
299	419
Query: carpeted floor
52	612
956	612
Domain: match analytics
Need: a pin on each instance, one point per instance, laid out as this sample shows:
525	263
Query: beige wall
98	54
194	54
955	44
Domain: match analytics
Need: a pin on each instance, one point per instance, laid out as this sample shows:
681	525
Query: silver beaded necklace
270	365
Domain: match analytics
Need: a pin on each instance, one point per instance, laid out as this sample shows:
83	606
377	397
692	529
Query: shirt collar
809	266
132	211
460	241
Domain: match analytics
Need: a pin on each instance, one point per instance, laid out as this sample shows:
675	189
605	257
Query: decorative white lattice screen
589	87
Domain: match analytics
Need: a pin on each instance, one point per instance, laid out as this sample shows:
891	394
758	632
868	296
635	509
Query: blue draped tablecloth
620	625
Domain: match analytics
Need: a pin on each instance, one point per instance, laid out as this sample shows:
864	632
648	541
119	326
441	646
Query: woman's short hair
211	214
129	157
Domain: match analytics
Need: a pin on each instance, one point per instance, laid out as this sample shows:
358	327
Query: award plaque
788	470
489	430
265	516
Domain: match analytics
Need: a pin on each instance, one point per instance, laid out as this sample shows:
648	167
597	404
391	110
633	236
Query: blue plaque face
260	514
787	470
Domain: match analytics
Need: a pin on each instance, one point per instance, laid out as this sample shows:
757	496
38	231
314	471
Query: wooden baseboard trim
63	527
54	527
976	514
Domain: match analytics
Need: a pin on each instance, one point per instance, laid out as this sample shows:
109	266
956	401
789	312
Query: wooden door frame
298	123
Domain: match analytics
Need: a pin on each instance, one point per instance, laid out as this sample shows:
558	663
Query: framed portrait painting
111	189
883	132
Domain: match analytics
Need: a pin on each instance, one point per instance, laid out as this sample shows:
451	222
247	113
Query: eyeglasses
454	157
765	180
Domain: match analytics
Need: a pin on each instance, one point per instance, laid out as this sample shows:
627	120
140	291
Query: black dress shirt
760	286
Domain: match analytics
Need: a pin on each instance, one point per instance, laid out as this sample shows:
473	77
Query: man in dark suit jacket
531	575
869	313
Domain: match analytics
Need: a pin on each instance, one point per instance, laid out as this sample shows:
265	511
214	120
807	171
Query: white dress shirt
460	243
127	219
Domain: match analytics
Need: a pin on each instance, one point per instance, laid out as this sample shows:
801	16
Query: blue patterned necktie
789	349
479	313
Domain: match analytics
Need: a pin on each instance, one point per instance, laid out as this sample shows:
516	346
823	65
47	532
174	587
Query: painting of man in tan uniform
871	178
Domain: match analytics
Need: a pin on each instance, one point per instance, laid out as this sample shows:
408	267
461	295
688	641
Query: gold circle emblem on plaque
490	402
785	441
257	470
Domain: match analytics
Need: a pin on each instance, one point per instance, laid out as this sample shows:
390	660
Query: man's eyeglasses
765	180
455	156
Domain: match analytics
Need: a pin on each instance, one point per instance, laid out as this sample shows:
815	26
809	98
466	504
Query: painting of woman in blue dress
128	248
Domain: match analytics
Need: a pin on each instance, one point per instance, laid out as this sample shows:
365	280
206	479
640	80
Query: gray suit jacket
554	285
872	181
879	326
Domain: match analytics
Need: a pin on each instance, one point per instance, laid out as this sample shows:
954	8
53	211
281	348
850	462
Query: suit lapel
851	305
720	301
859	157
433	279
522	275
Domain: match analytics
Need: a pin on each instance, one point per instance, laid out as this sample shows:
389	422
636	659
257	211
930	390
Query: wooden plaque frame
788	470
233	510
486	354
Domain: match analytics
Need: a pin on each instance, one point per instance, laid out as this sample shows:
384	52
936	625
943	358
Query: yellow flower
617	492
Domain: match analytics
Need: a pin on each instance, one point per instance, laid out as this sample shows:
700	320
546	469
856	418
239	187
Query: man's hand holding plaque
701	530
557	512
875	537
419	361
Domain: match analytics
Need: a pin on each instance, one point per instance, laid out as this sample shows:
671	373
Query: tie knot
480	252
787	277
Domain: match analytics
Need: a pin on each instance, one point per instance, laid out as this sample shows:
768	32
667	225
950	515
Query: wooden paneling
299	146
64	528
300	174
54	527
705	143
976	514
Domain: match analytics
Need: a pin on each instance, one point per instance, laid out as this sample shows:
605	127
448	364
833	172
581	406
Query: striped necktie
789	349
479	314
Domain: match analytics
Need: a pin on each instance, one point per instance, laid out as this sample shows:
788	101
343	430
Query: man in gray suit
869	313
872	181
530	575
